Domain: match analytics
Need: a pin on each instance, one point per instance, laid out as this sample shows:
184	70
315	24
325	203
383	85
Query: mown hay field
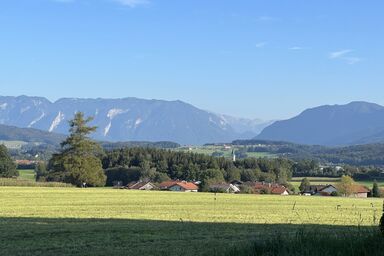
72	221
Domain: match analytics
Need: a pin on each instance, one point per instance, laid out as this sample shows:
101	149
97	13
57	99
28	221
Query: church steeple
233	155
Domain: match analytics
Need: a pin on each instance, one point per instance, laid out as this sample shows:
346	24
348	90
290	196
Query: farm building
141	185
319	190
224	187
328	190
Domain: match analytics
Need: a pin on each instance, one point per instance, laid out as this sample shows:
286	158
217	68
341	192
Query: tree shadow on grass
44	236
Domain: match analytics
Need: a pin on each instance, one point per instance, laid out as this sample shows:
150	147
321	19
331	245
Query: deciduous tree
7	166
345	186
304	183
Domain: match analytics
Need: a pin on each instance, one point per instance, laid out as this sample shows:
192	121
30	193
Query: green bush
334	193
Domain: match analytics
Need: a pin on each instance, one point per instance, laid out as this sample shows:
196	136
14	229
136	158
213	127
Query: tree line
81	160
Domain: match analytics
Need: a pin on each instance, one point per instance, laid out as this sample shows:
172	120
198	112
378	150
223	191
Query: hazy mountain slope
357	122
247	128
124	119
12	133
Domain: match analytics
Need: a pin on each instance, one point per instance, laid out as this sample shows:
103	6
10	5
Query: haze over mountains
129	119
337	125
132	119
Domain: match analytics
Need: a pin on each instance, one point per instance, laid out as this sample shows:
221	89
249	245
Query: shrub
334	193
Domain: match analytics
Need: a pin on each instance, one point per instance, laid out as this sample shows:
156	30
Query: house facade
179	186
360	191
184	187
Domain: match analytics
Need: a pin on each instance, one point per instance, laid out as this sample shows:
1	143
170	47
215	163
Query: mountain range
331	125
133	119
129	119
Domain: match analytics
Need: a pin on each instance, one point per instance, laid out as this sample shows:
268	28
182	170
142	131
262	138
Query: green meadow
73	221
227	153
27	175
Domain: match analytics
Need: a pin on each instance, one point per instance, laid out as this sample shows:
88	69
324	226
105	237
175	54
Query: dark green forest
357	155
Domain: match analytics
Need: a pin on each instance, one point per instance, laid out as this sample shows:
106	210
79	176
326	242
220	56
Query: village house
167	184
329	190
184	186
224	187
141	185
180	186
360	191
270	188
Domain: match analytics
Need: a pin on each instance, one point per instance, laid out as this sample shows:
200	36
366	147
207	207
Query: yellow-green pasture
73	221
27	175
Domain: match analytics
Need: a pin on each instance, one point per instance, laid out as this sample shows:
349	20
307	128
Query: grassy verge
5	182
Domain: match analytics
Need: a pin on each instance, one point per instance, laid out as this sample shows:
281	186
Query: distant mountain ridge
336	125
12	133
127	119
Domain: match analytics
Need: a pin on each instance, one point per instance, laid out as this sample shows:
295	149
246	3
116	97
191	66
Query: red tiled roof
167	184
360	189
278	190
273	188
186	185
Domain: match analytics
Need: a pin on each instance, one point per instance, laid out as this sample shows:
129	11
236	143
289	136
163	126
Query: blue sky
264	59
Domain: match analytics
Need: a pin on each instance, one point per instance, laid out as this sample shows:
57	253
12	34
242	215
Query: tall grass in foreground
5	182
315	244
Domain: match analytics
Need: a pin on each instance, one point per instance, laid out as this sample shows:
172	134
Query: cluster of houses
330	190
233	187
173	185
253	187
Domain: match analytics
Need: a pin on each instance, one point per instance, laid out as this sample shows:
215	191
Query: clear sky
266	59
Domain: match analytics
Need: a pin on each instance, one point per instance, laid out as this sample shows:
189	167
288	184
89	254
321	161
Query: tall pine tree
78	162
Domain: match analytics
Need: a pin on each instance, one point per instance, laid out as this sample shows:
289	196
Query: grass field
209	150
27	175
71	221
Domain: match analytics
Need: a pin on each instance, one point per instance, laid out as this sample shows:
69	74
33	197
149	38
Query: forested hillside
359	155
